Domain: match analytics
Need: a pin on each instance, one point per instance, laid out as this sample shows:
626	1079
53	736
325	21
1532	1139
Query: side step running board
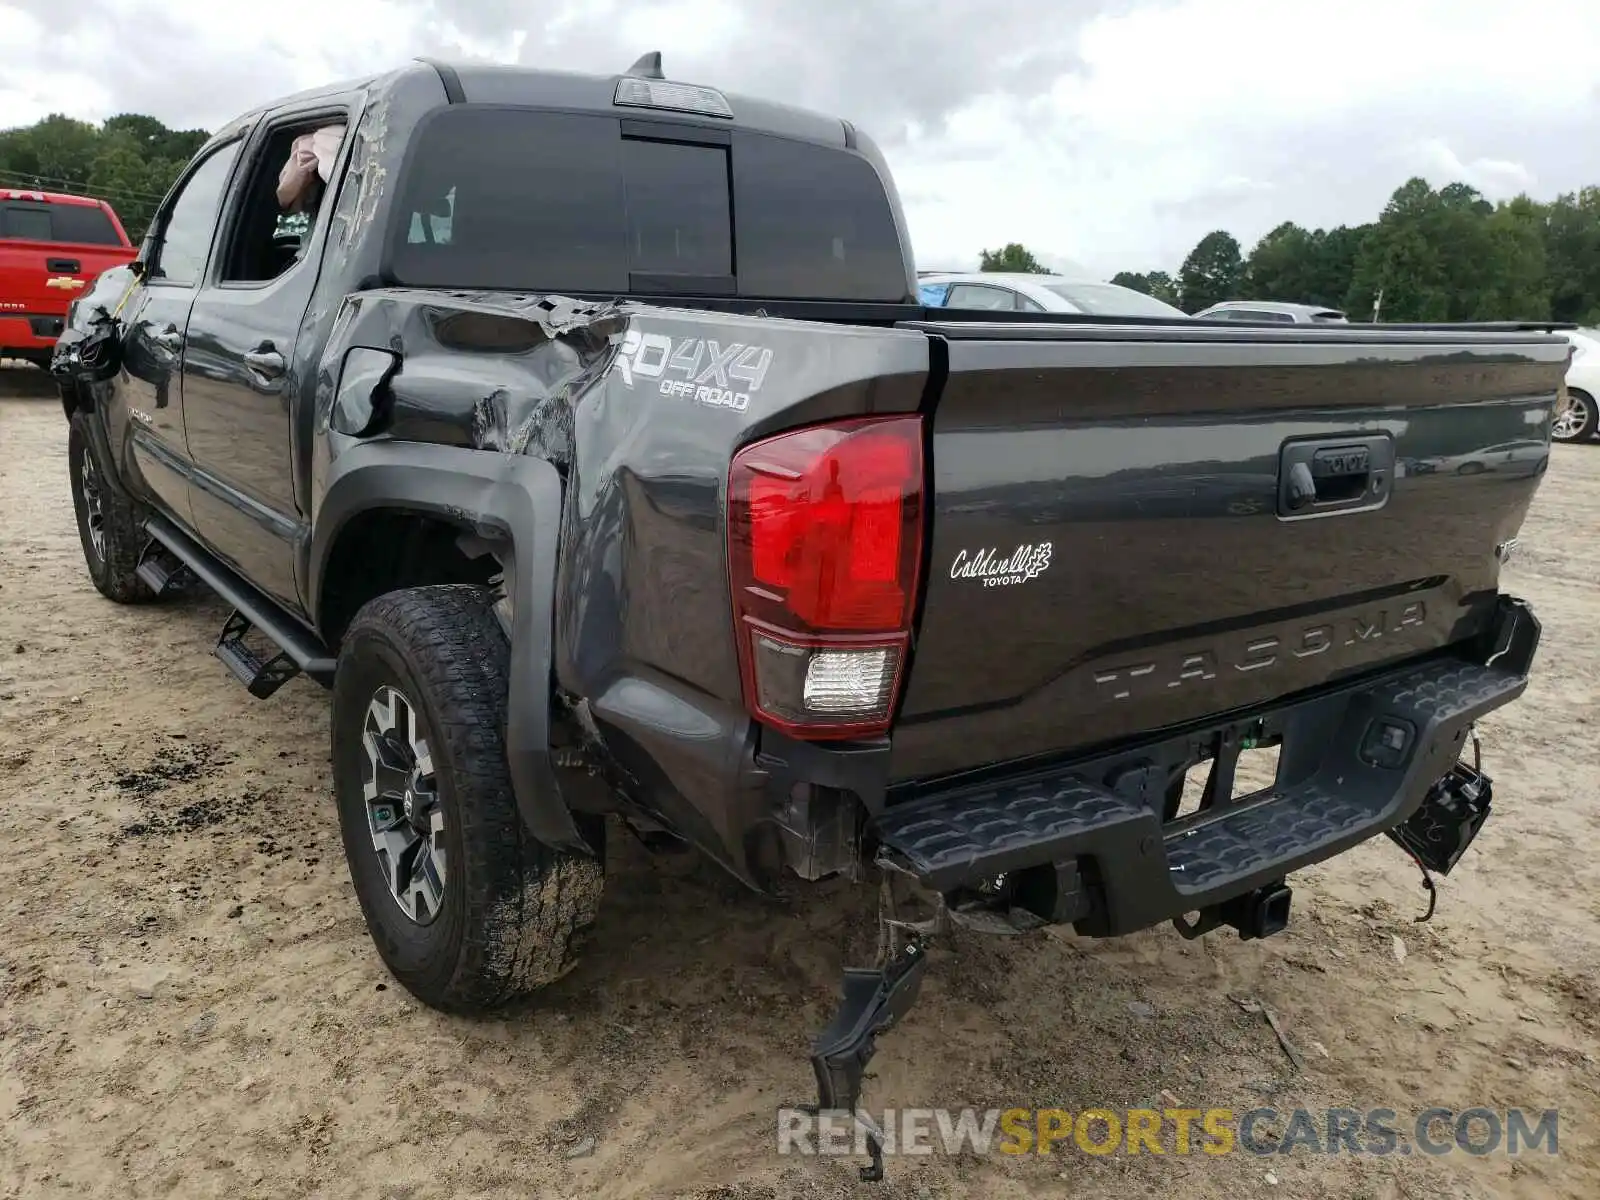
161	569
299	649
261	677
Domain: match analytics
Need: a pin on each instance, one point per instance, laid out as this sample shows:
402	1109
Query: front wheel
108	523
466	909
1576	422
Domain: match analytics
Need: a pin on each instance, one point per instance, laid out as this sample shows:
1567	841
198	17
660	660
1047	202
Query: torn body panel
637	413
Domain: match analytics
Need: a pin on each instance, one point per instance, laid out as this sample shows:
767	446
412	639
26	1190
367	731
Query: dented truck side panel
639	410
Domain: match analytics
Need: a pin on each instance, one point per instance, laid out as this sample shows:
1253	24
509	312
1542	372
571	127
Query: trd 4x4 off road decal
712	373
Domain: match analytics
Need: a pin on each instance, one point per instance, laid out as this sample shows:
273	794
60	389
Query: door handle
265	361
1328	475
168	339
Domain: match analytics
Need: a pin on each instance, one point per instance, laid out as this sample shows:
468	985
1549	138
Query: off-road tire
514	911
114	570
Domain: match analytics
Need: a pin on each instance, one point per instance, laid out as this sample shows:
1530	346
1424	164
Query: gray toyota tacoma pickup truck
586	438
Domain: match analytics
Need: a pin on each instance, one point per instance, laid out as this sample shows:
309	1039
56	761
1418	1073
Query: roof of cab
537	87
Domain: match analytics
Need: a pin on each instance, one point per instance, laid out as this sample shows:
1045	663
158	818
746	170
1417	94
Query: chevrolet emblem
66	282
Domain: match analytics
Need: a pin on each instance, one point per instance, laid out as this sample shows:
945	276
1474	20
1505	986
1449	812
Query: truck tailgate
43	278
1135	528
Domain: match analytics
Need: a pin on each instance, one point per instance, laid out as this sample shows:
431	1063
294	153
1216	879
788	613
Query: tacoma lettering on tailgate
1260	652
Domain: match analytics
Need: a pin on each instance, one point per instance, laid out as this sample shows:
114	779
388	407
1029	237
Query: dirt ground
189	1004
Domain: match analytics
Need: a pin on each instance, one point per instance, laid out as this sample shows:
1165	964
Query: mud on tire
108	520
513	912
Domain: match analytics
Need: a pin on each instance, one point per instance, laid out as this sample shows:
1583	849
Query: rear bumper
1354	761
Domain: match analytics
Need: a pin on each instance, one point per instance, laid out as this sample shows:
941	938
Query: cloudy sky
1112	133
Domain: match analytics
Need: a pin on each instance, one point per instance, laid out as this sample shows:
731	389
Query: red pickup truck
51	247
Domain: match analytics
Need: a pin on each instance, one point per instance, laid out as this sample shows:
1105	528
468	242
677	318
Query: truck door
150	392
246	373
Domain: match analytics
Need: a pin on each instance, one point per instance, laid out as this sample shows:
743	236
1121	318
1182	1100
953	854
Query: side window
1257	314
186	236
977	295
288	183
1025	304
933	294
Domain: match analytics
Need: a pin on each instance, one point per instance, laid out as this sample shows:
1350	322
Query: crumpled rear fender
514	503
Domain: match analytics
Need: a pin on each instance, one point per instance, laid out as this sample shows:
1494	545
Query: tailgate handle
64	266
1317	476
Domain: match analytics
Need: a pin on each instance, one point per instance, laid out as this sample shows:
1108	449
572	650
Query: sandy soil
189	1004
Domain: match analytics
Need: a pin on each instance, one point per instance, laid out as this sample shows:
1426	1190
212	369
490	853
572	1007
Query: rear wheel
1577	421
466	909
108	523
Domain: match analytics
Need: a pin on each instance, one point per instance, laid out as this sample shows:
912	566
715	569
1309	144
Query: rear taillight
824	552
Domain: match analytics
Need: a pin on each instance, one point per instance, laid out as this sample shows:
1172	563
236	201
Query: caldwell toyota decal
1024	563
710	370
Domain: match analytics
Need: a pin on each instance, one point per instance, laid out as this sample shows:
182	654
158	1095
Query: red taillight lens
825	544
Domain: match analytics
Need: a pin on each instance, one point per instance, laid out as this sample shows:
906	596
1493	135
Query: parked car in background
1580	412
1017	292
1275	311
51	247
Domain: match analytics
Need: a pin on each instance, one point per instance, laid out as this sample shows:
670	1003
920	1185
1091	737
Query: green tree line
1445	255
129	160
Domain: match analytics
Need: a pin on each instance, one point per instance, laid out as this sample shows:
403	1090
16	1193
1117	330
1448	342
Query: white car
1275	312
1580	414
1015	292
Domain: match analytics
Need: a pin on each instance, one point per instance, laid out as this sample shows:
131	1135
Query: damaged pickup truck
586	438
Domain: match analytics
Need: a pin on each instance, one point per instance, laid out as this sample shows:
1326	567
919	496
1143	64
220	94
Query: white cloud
1243	113
1495	178
1111	132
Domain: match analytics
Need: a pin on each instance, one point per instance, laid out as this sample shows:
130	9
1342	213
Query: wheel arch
485	503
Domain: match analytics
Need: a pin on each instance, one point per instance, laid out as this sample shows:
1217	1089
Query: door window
186	233
282	202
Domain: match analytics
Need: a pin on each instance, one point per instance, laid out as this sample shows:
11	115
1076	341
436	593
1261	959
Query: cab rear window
75	224
578	202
